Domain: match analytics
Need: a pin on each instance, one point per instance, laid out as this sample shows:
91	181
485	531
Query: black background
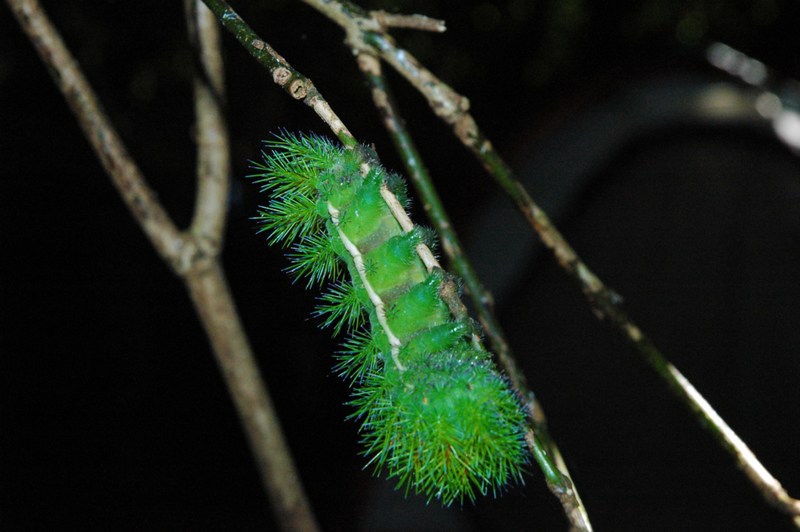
114	415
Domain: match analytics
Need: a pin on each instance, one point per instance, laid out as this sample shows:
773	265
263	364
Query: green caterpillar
435	413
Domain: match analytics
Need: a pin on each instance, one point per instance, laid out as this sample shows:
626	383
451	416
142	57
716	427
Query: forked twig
192	254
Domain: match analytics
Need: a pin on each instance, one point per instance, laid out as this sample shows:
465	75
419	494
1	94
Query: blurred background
672	170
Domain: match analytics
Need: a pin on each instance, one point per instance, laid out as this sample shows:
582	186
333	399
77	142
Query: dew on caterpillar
435	412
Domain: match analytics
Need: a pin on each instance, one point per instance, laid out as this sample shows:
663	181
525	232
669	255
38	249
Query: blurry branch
126	177
413	22
211	295
192	254
213	147
453	109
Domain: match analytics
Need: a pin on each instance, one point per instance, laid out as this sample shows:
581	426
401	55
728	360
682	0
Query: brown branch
193	255
215	307
211	295
213	148
413	22
125	175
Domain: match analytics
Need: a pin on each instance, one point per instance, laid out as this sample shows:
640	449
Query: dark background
114	415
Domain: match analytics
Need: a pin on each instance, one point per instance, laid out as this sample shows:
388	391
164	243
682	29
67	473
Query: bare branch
413	22
213	153
210	293
192	255
293	82
125	175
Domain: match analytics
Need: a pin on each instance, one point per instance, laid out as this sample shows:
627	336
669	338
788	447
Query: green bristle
341	307
358	358
288	219
315	257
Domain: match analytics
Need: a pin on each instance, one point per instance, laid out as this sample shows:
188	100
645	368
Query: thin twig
413	22
293	82
125	175
213	147
195	262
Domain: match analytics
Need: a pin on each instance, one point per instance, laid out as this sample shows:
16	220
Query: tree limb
193	254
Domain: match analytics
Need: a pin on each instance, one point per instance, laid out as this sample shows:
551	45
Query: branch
413	22
213	148
210	293
125	175
193	255
293	82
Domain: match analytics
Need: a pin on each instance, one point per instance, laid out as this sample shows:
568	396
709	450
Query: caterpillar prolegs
435	413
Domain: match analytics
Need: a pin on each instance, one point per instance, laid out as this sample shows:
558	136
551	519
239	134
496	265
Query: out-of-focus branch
209	290
125	175
213	302
194	254
412	22
211	133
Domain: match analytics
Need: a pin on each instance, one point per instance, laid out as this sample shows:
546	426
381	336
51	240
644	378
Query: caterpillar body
435	412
